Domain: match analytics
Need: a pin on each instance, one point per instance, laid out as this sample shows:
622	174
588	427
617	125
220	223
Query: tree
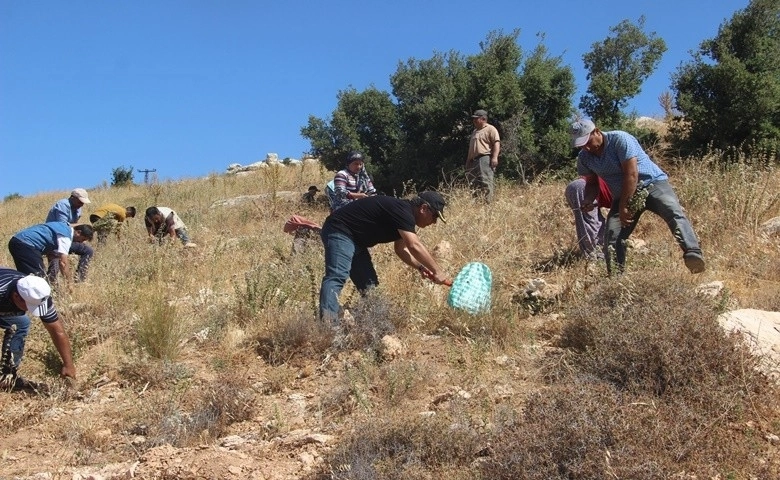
431	107
364	121
12	196
121	176
617	67
729	94
548	87
421	139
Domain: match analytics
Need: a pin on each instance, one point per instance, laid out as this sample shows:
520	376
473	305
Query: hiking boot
694	261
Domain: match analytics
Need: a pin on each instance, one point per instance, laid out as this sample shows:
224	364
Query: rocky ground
69	434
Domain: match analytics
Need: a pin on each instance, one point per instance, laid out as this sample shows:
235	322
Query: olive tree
729	93
617	67
419	135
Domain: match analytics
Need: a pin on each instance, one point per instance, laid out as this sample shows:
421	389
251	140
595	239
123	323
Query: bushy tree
543	143
12	196
363	121
729	94
430	95
422	137
617	67
121	176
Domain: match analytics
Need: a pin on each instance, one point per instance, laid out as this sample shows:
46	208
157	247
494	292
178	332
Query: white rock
232	441
771	227
501	360
761	330
711	289
391	347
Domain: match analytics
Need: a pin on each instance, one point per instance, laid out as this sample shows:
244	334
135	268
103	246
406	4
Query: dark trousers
662	201
84	252
27	259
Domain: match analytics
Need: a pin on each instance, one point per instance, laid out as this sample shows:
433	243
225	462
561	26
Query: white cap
34	290
580	132
81	194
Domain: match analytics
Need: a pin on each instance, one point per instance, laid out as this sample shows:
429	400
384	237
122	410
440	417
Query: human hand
626	218
440	279
435	278
68	372
585	208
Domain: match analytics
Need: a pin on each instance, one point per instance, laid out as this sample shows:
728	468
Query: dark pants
27	259
662	201
84	252
481	177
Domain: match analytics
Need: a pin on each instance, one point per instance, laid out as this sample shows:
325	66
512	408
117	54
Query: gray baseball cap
580	132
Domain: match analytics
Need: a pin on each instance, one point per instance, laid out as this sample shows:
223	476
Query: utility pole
146	172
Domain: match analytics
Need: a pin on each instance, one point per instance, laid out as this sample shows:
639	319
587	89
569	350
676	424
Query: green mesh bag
471	289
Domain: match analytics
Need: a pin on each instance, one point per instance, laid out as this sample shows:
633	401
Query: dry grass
631	378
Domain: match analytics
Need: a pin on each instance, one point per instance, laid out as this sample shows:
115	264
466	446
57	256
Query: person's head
584	135
130	212
355	162
428	208
479	118
79	198
83	233
313	189
31	294
153	216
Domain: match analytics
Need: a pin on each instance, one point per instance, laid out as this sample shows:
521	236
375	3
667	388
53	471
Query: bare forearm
64	267
629	187
591	193
415	255
494	152
62	344
422	257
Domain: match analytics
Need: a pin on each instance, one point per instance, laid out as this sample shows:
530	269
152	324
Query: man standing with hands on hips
482	158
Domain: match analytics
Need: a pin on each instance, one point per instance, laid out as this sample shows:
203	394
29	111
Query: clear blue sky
189	87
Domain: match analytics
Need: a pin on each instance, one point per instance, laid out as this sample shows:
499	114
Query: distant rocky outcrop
270	160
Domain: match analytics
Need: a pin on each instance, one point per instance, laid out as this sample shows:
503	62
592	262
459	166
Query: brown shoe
694	261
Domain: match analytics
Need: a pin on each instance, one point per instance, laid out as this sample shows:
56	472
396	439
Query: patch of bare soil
88	431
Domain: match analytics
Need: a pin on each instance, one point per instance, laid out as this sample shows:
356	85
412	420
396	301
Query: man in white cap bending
20	293
68	210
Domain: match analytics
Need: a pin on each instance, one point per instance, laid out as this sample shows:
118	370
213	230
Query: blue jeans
22	323
184	236
343	259
662	201
181	233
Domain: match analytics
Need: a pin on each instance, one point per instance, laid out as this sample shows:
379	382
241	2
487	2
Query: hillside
207	362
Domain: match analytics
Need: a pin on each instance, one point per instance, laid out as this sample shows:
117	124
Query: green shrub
12	196
646	385
121	176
